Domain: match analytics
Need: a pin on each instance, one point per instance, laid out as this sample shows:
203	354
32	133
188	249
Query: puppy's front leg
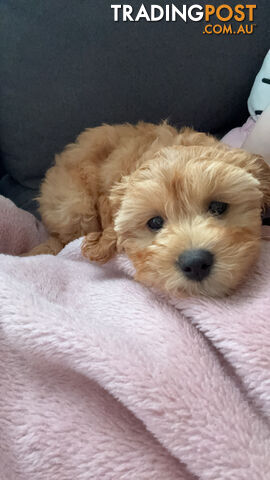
100	246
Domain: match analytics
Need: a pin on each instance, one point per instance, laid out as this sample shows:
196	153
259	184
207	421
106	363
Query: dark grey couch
66	65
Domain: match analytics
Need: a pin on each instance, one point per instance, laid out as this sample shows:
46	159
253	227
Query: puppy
185	208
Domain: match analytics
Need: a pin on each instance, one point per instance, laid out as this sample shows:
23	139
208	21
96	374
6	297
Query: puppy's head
190	219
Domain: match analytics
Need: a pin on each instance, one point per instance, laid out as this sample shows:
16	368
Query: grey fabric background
66	65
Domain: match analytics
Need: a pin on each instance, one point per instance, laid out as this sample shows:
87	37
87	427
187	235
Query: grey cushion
66	65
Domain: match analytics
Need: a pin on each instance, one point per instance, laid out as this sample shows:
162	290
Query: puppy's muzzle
196	264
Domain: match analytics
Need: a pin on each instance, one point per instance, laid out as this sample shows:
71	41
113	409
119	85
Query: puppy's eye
155	223
217	208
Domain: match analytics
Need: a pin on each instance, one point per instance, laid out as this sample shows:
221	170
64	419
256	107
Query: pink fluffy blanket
19	230
102	379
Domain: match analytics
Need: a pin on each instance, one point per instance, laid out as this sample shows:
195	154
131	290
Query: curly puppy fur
113	179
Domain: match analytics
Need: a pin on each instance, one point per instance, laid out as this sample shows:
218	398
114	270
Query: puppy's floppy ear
255	165
261	171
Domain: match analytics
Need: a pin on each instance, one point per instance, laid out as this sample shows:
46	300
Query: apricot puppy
185	208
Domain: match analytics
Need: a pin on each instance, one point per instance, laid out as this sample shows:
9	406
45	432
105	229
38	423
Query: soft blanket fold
19	230
102	379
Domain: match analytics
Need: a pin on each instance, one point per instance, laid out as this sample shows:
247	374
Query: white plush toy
258	141
254	135
259	98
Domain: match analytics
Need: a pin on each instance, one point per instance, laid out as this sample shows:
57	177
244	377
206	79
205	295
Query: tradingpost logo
224	19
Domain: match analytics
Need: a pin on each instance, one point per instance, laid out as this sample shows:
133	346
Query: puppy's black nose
196	264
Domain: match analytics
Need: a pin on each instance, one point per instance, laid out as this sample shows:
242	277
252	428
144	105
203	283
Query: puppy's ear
255	165
261	170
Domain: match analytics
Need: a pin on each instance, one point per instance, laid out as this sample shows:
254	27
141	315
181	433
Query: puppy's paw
99	246
51	247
